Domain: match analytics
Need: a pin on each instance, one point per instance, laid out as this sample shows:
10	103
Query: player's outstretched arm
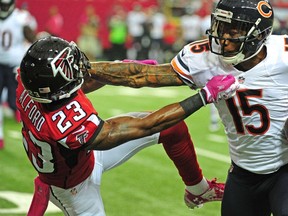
90	84
118	130
131	73
134	74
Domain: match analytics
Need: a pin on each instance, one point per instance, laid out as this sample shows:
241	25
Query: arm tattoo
135	75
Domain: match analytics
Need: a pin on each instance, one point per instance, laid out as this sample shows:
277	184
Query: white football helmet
6	8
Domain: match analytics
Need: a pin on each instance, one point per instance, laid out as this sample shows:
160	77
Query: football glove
219	87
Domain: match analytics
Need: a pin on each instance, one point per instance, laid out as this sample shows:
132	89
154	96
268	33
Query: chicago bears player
239	43
15	30
61	128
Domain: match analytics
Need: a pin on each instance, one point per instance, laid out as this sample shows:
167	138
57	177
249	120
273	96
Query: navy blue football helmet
253	18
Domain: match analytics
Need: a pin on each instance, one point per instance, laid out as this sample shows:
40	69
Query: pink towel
40	198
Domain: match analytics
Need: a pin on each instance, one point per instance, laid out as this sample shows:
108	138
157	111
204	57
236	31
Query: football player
239	43
15	32
61	129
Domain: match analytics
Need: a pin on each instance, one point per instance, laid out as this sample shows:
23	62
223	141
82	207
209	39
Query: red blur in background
73	10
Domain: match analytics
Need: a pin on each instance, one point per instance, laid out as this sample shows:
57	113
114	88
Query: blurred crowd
140	33
156	32
152	32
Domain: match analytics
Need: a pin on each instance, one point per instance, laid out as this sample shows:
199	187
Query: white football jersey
255	116
12	40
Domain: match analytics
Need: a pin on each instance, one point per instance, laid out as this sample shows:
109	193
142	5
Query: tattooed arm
118	130
133	75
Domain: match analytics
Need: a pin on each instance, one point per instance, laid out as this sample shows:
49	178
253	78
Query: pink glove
145	61
220	87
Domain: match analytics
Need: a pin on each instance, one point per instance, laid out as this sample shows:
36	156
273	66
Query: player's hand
145	61
220	87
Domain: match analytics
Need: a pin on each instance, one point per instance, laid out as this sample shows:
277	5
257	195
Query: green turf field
146	185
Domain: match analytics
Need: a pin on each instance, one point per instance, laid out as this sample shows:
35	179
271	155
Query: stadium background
72	9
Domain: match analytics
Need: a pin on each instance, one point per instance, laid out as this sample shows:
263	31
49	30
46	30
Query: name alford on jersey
32	110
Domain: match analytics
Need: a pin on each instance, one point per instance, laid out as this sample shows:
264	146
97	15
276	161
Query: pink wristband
145	61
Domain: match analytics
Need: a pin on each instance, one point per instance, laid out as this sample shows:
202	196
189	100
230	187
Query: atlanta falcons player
61	128
239	43
15	30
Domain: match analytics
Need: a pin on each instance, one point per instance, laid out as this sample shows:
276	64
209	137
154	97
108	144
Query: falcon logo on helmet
63	63
52	69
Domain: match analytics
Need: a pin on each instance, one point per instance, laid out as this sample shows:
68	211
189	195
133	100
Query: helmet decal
62	64
261	11
51	69
44	90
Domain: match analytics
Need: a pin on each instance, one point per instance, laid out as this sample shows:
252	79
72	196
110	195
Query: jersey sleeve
195	64
26	19
84	134
180	66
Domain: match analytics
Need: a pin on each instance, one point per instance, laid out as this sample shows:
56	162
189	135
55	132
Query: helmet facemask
6	8
246	36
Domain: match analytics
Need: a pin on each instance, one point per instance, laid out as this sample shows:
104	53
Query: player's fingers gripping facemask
53	69
245	24
6	8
